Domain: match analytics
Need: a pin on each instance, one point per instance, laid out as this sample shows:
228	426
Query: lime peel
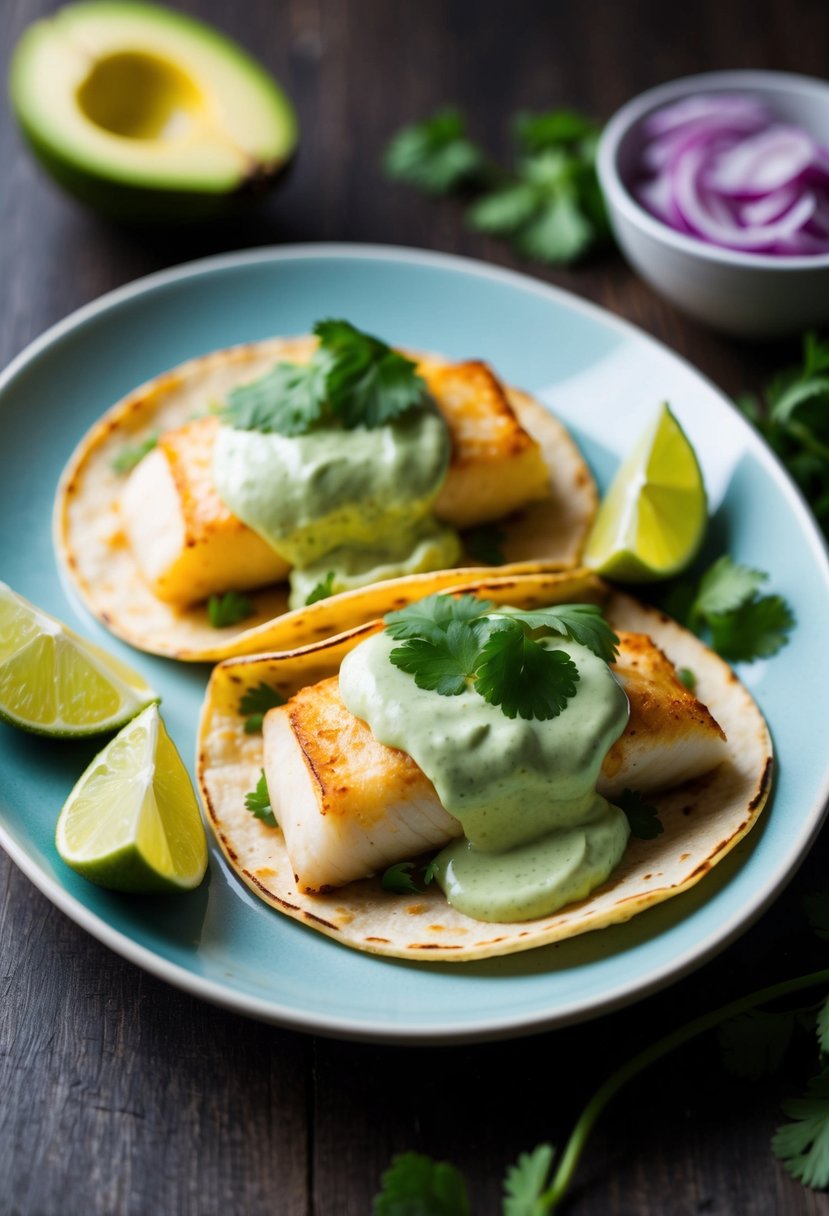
53	682
652	519
132	821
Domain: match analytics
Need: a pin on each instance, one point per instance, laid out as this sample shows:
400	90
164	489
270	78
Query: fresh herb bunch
352	379
451	644
549	206
793	416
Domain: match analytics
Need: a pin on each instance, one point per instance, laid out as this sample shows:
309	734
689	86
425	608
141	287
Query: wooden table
121	1095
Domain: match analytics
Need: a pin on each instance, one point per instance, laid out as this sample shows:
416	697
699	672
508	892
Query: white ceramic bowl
749	294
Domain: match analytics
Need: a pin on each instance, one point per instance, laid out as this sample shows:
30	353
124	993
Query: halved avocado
145	113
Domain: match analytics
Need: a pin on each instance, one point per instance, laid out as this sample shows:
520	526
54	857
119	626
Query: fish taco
246	500
482	772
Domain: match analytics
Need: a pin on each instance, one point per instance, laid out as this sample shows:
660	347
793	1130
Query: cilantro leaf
367	382
753	1045
258	802
228	609
725	586
550	207
525	1183
415	1185
642	818
803	1145
431	617
757	629
443	664
322	590
485	544
436	155
287	400
743	624
583	623
400	878
524	678
133	454
687	677
255	704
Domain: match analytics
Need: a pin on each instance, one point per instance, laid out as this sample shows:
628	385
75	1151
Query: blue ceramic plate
605	379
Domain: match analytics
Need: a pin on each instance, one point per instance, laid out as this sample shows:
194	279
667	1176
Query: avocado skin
136	203
133	204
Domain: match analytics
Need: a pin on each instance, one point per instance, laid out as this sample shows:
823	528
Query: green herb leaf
130	456
754	1044
431	617
687	677
367	382
258	802
803	1145
726	586
743	624
643	819
351	377
443	665
322	590
400	878
228	609
287	400
757	629
255	704
415	1185
524	678
583	623
485	544
436	155
550	207
526	1181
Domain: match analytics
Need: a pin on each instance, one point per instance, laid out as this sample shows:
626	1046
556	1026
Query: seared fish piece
670	736
349	806
188	545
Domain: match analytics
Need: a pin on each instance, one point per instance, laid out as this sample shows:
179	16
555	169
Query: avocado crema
536	836
356	503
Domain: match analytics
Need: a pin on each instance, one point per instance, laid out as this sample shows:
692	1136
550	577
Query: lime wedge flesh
652	519
132	822
56	683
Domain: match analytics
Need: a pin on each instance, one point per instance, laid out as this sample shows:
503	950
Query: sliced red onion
724	169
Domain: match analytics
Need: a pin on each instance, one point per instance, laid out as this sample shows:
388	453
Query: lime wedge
132	822
652	519
56	683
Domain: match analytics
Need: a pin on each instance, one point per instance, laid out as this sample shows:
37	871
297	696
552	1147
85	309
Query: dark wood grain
121	1095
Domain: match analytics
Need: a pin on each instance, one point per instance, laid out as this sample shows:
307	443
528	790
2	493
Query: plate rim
501	1025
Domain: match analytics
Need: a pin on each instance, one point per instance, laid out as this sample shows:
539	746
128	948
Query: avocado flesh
147	114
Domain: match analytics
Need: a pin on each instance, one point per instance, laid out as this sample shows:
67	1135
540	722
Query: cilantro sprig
727	605
400	878
353	379
321	590
255	703
792	414
549	206
132	454
258	802
451	644
228	609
